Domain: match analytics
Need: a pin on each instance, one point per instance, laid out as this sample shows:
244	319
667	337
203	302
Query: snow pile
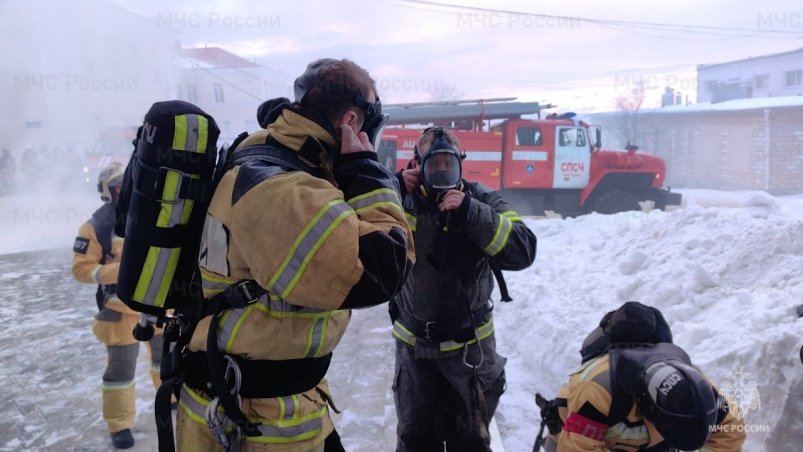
727	279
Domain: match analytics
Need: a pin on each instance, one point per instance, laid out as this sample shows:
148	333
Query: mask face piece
441	166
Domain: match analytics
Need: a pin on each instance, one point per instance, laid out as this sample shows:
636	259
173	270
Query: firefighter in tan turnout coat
96	256
305	230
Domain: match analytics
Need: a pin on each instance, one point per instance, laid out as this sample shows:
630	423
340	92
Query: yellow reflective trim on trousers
500	237
296	404
180	132
157	272
305	263
283	431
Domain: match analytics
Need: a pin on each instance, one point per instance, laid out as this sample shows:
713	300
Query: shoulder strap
621	402
271	152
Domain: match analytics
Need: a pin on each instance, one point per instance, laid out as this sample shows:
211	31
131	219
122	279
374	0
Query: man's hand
451	200
410	177
351	142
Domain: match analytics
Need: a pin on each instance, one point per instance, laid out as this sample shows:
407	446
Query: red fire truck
537	164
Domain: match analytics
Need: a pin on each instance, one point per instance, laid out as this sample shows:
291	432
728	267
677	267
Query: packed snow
725	269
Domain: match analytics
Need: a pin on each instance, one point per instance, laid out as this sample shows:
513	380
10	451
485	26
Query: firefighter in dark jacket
448	377
96	259
315	229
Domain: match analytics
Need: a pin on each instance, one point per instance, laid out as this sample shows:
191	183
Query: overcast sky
411	47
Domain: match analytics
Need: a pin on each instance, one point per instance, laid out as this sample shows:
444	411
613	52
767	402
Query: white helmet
110	176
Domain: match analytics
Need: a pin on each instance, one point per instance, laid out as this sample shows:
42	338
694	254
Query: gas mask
440	168
374	119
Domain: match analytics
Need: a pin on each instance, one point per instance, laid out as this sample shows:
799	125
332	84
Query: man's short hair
428	137
344	75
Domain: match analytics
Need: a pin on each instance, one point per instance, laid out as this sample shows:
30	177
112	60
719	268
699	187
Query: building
748	144
228	87
775	75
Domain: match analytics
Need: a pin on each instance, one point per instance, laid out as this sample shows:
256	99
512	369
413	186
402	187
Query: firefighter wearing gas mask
449	376
96	260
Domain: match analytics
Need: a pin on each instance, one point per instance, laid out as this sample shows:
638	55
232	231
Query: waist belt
406	334
262	378
434	332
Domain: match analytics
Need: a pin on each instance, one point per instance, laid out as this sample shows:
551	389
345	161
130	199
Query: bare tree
629	106
442	91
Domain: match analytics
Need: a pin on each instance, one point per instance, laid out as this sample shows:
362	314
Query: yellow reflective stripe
283	431
191	133
169	194
511	215
375	198
403	334
306	244
238	322
324	330
96	274
313	337
157	272
180	133
214	283
203	134
296	404
500	237
195	406
587	370
391	204
410	220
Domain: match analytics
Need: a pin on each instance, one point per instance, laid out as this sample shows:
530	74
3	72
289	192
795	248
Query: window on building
218	93
528	136
794	78
192	94
761	81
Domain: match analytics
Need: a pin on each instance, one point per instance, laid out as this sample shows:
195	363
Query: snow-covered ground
725	269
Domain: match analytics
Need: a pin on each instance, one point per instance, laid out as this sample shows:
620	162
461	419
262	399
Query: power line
653	26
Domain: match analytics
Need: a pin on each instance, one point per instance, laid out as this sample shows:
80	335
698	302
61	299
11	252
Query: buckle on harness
217	426
429	333
250	298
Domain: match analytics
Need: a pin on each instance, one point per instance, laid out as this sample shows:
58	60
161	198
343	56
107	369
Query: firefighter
449	376
639	392
96	256
298	236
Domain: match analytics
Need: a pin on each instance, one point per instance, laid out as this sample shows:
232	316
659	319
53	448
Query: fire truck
542	164
114	144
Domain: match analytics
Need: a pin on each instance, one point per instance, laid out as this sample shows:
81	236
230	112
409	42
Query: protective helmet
680	402
110	176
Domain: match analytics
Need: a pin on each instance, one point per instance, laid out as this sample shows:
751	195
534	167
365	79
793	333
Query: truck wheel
614	201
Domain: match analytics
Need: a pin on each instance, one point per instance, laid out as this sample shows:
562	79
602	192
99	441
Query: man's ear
350	118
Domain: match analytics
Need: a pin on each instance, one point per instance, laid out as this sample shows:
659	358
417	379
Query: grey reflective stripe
403	334
232	318
500	236
289	405
117	385
213	285
158	273
333	214
279	305
189	401
300	430
314	343
604	380
192	133
375	197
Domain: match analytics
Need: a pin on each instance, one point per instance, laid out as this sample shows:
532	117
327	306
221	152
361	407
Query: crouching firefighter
636	391
96	259
449	377
303	226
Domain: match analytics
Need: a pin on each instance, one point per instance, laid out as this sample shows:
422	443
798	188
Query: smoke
74	72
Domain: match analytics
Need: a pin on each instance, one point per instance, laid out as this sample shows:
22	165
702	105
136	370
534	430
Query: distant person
8	170
96	259
668	98
636	391
449	377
